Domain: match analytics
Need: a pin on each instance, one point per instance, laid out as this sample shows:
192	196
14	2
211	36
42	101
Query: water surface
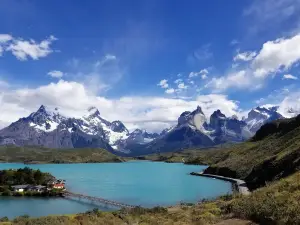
137	182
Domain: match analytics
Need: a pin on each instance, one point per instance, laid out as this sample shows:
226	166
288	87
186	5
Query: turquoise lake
141	183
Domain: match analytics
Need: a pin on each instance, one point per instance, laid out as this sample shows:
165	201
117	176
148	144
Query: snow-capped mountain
194	129
261	115
49	128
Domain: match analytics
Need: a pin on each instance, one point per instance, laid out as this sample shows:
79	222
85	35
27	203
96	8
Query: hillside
274	152
47	155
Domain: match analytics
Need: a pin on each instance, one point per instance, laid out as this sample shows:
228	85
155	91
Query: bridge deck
98	199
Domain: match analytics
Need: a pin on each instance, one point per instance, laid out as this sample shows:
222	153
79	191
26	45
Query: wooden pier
97	199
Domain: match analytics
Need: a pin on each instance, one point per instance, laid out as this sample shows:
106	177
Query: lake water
137	182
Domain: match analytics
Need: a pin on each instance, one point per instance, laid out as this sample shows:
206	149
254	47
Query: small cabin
37	188
58	186
20	188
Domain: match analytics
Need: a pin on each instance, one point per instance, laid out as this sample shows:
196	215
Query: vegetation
11	177
269	162
33	155
24	176
273	153
275	204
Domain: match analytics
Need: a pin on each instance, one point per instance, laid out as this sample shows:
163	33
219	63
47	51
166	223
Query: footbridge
97	199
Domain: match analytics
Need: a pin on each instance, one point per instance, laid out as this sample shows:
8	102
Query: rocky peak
93	111
184	117
217	120
198	110
218	114
44	115
118	126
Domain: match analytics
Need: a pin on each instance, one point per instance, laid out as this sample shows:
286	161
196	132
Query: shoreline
240	186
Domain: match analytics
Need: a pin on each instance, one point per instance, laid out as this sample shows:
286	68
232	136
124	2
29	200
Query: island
29	182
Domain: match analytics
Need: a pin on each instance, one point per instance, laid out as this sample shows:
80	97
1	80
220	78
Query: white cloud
149	112
56	74
245	56
234	42
290	105
289	76
110	57
182	86
24	49
178	81
170	91
5	38
163	83
239	79
203	73
276	56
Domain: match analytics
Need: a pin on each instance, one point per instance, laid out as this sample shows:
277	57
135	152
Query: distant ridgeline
48	128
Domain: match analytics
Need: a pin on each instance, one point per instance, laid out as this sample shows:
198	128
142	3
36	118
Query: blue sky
144	62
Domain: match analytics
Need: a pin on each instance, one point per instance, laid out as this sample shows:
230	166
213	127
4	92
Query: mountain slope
274	152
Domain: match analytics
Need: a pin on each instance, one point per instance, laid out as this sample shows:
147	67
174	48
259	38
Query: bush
6	193
4	219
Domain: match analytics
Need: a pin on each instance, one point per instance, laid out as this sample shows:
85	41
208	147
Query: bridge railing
98	199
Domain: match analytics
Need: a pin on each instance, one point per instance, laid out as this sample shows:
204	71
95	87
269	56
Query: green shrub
7	193
4	219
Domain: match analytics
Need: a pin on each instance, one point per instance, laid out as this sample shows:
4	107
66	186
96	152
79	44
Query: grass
30	154
275	204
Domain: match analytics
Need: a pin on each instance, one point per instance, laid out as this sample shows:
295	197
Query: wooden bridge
97	199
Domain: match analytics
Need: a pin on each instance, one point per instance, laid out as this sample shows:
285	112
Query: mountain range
51	129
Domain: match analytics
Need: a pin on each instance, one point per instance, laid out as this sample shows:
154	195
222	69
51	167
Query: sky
144	62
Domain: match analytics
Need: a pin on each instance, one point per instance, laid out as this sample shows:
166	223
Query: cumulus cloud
245	56
239	79
178	81
203	73
289	76
182	86
24	49
170	91
163	83
56	74
290	105
276	56
5	38
150	112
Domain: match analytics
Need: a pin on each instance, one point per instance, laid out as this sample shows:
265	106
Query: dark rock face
118	126
217	120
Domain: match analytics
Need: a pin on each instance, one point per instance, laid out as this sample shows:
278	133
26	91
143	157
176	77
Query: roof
59	185
20	186
39	186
